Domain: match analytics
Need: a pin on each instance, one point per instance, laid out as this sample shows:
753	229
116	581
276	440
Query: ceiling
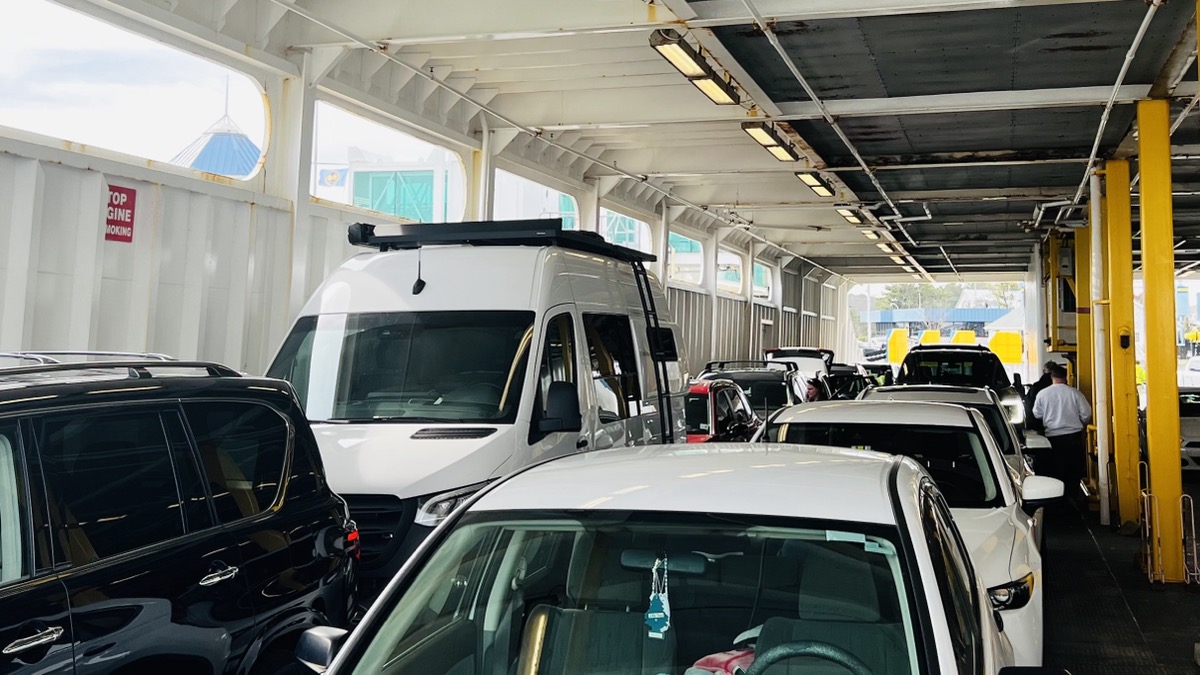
968	113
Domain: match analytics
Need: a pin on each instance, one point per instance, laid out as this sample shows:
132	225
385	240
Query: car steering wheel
810	648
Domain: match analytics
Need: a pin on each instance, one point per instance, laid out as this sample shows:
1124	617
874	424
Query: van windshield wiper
383	419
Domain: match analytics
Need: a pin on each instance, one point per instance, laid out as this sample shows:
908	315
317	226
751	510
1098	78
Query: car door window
243	449
14	531
614	365
557	362
110	480
955	578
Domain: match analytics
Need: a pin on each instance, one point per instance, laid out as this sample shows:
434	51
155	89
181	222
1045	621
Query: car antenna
419	284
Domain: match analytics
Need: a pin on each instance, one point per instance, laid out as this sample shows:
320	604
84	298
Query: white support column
752	328
23	213
1101	365
288	168
85	277
660	235
711	245
589	208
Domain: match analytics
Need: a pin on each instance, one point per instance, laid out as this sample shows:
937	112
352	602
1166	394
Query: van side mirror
562	409
662	344
318	645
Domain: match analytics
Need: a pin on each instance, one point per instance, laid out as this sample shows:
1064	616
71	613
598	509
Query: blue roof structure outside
946	315
224	150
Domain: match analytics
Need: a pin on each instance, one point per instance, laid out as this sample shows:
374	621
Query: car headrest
837	585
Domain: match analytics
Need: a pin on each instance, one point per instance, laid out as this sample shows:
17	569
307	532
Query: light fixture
817	184
870	234
671	45
883	246
849	214
717	90
785	153
907	268
898	260
766	135
918	277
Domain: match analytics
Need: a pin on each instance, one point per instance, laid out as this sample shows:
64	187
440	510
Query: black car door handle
581	443
227	572
44	637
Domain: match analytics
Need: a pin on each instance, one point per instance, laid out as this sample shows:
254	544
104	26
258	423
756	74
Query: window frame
629	406
936	515
570	359
671	253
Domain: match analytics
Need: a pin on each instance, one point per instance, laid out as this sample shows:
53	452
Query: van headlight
1013	595
435	508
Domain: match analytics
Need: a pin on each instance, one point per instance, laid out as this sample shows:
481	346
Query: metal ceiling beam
964	102
707	13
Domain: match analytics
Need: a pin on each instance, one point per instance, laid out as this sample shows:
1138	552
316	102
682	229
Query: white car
1189	428
666	559
993	512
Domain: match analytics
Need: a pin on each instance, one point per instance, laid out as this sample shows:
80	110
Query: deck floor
1102	616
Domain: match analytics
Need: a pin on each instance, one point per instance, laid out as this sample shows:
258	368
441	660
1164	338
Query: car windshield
408	366
765	395
846	384
627	593
955	457
1189	404
698	412
965	369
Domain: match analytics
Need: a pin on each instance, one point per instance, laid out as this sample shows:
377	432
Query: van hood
384	458
990	536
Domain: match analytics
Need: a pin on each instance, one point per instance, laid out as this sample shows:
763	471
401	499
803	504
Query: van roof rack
57	355
541	232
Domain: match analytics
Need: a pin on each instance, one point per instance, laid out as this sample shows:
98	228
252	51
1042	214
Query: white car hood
990	535
384	458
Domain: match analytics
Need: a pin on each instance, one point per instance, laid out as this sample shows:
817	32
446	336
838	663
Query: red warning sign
118	226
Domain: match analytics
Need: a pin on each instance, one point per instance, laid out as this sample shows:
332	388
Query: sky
70	76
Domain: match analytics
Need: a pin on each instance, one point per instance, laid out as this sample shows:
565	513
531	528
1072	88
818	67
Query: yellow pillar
1158	272
1118	251
1083	310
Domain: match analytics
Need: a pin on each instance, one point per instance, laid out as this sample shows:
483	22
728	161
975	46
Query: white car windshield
955	457
621	593
408	366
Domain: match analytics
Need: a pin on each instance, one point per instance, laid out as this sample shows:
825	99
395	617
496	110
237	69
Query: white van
456	353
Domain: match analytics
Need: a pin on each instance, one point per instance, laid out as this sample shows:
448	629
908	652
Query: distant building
224	150
933	318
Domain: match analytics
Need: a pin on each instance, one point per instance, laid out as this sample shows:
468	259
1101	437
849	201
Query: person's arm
1039	405
1085	408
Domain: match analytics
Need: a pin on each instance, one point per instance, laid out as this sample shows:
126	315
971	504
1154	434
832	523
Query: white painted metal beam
709	13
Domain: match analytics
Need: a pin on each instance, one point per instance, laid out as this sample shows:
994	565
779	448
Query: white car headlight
433	510
1015	408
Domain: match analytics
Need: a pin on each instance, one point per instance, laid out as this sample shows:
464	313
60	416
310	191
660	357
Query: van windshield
408	366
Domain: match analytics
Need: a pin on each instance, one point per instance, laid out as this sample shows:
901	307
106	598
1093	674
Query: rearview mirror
317	646
562	409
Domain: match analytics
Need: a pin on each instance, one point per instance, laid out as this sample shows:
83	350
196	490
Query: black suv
964	366
163	517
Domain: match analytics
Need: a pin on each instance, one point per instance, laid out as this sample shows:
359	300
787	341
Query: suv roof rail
55	355
768	364
540	232
25	356
137	369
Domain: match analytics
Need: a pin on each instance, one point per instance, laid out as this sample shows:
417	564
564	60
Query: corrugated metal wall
217	270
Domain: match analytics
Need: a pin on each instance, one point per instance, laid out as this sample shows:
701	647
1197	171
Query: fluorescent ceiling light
812	180
870	234
821	187
785	153
884	247
671	45
716	89
907	268
823	191
918	277
850	216
760	133
898	260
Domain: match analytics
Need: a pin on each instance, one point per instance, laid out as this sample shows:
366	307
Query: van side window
13	529
110	482
243	448
614	365
558	357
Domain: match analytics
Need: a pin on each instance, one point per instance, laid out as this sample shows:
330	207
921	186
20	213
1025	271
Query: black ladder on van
655	335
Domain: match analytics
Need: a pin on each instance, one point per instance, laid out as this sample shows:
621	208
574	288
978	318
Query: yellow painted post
1158	273
964	337
1083	312
931	337
1118	251
897	346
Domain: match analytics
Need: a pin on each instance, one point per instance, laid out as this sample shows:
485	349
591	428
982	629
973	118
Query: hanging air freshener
658	616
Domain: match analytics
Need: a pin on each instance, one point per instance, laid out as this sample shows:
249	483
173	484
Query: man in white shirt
1064	413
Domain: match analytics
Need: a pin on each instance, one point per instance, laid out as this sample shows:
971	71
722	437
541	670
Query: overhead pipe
732	220
1100	350
1152	8
911	219
769	32
1040	210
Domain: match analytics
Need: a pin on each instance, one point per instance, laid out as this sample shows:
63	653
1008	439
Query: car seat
839	605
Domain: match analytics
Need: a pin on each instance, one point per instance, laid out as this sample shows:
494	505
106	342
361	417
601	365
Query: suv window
243	448
967	368
111	482
956	580
614	365
13	529
558	357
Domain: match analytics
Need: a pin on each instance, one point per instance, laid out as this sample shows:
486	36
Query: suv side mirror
1037	491
317	646
562	409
